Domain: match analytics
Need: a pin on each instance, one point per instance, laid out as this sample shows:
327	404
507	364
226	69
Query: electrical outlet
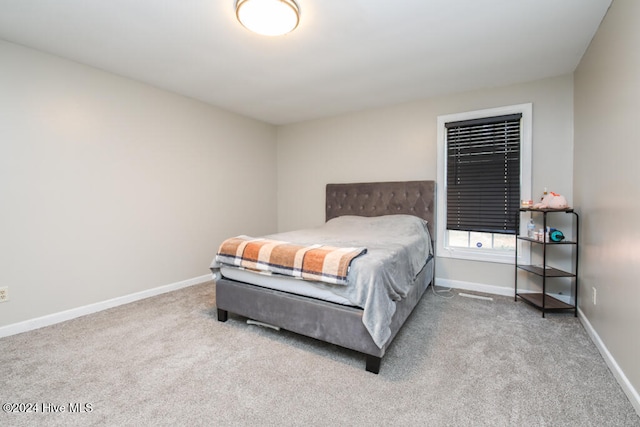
4	293
594	295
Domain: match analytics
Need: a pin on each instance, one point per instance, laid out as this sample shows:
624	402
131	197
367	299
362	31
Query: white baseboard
472	286
622	379
52	319
490	289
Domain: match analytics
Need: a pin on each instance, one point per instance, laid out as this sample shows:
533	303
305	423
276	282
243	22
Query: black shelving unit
542	300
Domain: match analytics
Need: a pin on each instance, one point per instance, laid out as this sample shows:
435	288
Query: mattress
283	283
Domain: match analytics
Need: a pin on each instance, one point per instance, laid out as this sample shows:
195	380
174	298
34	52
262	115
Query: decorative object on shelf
526	203
268	17
552	201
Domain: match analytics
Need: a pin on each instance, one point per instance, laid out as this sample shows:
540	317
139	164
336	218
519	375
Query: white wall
399	143
607	183
110	187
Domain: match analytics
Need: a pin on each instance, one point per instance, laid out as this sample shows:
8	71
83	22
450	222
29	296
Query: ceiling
346	55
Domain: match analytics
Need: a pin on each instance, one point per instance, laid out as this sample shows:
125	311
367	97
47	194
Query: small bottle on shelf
531	229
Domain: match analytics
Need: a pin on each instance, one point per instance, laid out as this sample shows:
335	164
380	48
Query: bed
329	312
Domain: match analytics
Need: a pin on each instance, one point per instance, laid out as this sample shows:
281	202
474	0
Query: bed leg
223	315
373	363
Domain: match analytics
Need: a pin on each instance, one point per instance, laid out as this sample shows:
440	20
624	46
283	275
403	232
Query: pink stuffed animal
552	201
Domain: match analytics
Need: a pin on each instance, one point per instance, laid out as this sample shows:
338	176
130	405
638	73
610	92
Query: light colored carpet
168	361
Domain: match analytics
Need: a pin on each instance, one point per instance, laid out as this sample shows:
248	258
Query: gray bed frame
326	321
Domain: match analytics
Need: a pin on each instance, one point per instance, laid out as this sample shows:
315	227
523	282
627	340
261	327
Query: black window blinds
483	174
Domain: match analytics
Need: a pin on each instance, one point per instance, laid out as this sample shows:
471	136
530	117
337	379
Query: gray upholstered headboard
383	198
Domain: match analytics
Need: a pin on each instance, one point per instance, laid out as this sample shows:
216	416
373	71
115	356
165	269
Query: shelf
550	303
548	272
532	240
567	210
542	300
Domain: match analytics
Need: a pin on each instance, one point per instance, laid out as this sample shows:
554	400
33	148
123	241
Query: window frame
489	255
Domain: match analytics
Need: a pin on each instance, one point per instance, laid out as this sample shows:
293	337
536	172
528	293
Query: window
484	170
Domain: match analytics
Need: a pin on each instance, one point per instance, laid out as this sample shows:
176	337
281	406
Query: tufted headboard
383	198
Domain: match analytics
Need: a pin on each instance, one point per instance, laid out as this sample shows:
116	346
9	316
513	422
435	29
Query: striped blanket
316	262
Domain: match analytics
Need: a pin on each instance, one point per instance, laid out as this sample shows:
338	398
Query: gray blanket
398	247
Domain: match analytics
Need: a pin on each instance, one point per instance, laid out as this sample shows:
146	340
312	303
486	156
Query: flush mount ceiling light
268	17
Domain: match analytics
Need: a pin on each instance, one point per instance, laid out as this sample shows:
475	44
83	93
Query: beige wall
607	183
399	143
109	187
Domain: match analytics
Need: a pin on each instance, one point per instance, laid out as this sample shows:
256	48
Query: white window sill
474	255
